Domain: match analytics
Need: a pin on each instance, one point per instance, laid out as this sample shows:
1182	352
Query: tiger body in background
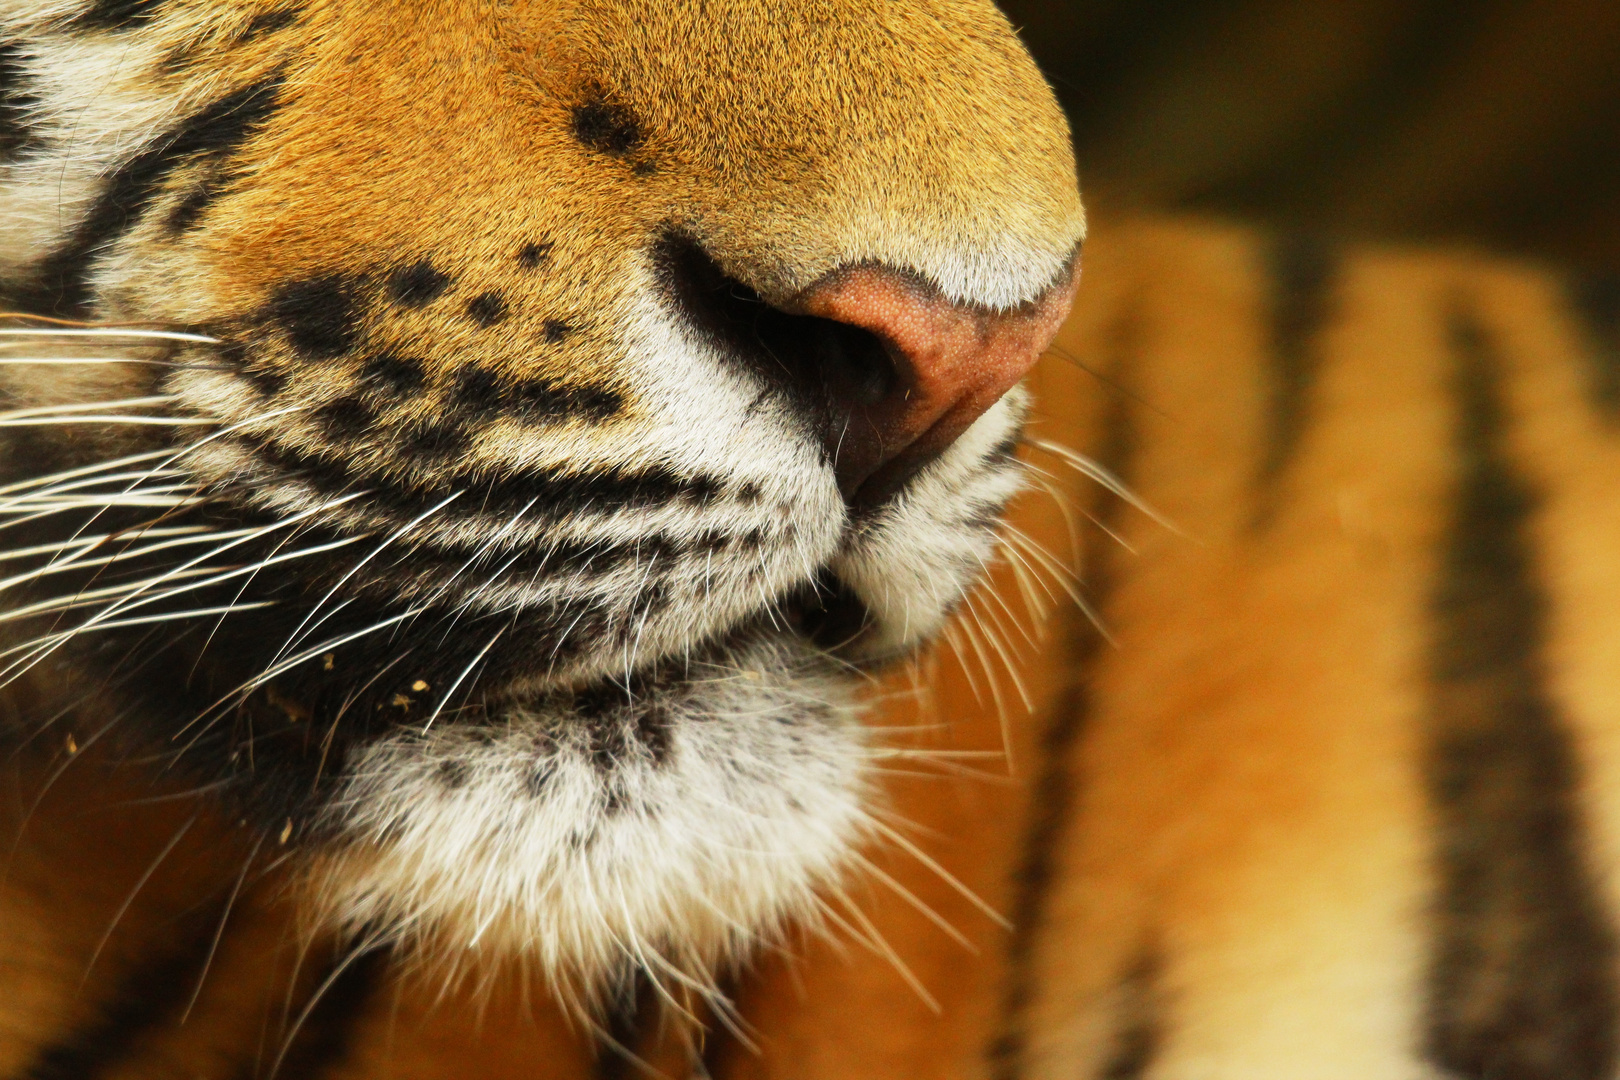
1304	707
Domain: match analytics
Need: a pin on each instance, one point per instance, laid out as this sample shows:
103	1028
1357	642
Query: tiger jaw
682	820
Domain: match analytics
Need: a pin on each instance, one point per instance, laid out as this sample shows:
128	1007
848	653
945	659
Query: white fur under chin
611	859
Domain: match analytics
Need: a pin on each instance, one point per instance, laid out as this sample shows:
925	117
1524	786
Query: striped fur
417	438
1334	801
1310	774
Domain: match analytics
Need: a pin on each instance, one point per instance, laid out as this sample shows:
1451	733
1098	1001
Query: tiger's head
523	427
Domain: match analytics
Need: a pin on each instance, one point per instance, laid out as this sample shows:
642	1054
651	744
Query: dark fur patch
555	331
393	374
265	380
116	14
548	493
197	201
266	23
542	399
1301	272
487	309
630	1013
436	441
452	775
532	254
1522	979
483	391
1595	303
538	779
1138	1028
346	418
320	315
16	100
218	146
606	126
417	284
480	390
63	283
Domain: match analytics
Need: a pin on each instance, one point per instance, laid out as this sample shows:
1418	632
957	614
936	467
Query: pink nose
951	363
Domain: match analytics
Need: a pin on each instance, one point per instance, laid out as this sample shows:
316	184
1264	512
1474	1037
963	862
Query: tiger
585	540
468	460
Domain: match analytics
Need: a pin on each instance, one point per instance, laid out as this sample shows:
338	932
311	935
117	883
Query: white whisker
1087	467
107	332
85	543
305	628
83	470
111	418
73	407
454	686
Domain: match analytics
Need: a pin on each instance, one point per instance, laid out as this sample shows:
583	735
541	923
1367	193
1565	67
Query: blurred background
1492	121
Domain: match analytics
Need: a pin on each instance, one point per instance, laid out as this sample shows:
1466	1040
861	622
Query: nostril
855	366
835	373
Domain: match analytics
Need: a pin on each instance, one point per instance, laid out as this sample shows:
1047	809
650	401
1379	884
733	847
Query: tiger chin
517	431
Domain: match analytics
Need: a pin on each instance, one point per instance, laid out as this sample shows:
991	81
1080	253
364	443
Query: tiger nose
942	366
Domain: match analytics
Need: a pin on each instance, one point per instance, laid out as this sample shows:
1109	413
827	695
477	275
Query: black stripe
115	14
16	100
1521	983
62	284
326	1036
551	493
1053	799
147	995
1138	1031
1595	302
626	1021
1301	272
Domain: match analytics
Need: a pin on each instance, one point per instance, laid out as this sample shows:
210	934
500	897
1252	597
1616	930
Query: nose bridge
952	363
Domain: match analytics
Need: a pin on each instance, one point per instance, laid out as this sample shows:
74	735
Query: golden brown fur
1239	836
1288	757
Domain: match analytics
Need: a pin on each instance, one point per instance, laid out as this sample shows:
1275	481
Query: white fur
761	797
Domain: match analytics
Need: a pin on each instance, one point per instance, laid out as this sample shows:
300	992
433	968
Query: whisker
198	535
219	930
71	407
445	700
123	909
875	937
953	638
916	902
305	628
897	837
83	470
85	543
112	418
88	361
245	688
364	948
101	332
1089	468
44	645
972	627
55	491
